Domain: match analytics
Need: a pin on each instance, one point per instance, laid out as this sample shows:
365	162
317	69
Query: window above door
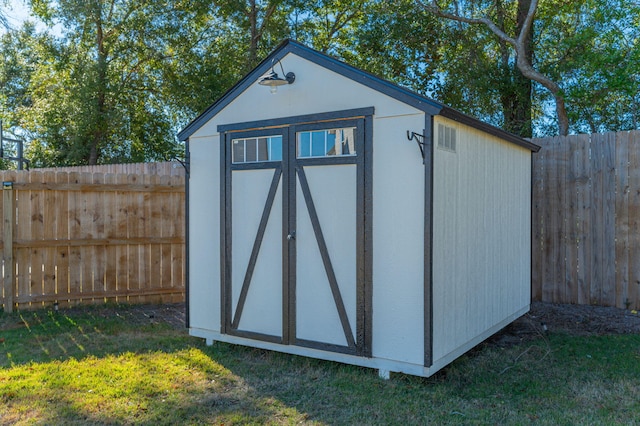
258	149
326	143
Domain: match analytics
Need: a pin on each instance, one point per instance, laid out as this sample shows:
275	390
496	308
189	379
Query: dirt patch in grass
172	314
574	320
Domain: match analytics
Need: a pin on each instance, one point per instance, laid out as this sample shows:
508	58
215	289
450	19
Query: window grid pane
256	150
326	143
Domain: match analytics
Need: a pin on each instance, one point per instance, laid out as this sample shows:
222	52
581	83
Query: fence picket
9	286
50	222
537	223
133	218
154	227
178	250
63	254
574	174
634	221
22	231
608	280
561	239
96	203
552	226
122	231
163	208
622	219
76	254
110	212
36	216
584	221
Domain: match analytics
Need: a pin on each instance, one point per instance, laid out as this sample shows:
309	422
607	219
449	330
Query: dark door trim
428	240
230	320
290	171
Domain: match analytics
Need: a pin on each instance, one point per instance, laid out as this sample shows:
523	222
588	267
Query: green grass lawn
90	368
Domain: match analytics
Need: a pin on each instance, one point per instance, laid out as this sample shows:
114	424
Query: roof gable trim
429	106
289	46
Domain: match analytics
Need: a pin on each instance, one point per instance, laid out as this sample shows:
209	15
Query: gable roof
388	88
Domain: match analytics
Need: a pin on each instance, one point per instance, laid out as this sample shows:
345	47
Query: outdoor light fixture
273	80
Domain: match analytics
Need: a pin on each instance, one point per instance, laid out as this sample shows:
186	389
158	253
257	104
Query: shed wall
398	201
204	233
398	240
482	237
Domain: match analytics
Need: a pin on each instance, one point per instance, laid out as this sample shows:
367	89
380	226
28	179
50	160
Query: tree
106	77
520	42
516	96
593	47
260	25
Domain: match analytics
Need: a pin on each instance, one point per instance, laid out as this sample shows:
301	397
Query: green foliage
99	91
117	79
596	51
399	44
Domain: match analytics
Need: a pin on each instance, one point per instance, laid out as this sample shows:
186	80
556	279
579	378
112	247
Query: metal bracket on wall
419	138
184	163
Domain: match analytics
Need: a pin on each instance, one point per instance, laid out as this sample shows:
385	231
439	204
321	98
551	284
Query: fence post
7	237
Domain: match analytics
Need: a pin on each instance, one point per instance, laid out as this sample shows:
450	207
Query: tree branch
434	8
265	19
518	44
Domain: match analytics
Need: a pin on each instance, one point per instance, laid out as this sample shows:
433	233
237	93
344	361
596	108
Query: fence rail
91	237
169	168
586	220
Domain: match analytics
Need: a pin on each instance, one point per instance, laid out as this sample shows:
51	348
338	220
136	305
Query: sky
17	12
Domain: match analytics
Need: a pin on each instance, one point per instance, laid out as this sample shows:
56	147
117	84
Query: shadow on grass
102	366
45	335
97	365
222	384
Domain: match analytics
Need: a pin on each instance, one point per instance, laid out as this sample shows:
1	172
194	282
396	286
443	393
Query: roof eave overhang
429	106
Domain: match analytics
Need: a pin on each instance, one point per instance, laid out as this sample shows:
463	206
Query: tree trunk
99	131
516	102
515	89
254	34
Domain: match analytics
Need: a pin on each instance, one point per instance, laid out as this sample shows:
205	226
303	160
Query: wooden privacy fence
586	220
117	233
71	237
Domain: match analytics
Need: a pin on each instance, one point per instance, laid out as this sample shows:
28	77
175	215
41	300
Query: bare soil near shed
574	320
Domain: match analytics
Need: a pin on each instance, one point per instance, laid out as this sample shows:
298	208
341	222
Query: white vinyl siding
481	225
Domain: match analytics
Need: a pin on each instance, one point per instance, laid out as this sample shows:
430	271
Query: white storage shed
346	218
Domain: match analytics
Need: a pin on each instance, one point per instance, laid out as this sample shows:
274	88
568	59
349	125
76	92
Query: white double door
294	240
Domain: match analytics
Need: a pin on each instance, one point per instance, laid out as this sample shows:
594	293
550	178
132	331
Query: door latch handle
291	236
